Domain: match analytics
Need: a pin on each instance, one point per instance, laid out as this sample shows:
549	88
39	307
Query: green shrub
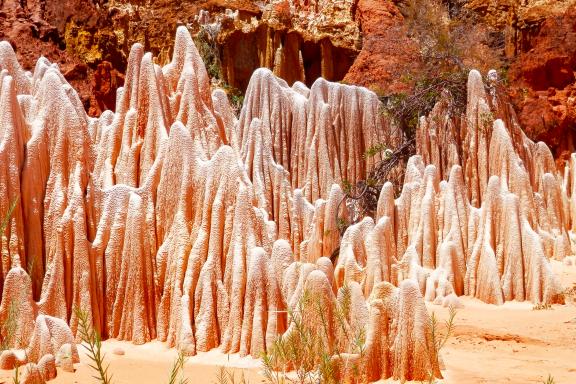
438	339
178	370
225	376
452	40
304	356
93	344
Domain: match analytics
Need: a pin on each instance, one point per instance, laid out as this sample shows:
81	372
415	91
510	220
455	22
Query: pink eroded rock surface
172	219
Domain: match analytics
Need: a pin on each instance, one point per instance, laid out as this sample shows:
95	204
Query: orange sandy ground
512	343
151	364
508	344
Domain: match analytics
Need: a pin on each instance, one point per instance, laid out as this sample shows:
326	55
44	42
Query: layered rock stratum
172	219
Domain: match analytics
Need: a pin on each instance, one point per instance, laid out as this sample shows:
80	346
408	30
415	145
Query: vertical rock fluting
172	219
319	135
490	227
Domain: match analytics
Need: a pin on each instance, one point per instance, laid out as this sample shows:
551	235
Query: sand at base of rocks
512	343
151	364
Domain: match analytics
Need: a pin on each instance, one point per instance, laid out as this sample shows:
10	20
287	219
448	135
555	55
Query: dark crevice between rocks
286	53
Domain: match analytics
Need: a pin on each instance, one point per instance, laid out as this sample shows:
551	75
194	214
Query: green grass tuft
225	376
93	344
178	370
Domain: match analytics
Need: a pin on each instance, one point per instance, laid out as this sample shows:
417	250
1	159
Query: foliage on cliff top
452	41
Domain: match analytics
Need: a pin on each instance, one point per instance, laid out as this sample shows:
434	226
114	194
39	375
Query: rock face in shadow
544	80
540	41
291	54
387	50
172	219
298	41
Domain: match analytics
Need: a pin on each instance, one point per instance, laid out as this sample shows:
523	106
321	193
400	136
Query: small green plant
93	344
374	150
346	186
16	377
542	306
503	75
8	327
205	41
237	100
370	182
549	380
235	96
437	340
486	120
178	370
341	224
225	376
7	216
309	354
209	49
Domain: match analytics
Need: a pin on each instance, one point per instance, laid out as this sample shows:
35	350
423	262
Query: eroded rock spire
172	219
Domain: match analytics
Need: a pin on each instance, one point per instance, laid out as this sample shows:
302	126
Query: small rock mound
47	367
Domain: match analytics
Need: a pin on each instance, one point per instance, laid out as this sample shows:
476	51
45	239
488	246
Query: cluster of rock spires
173	219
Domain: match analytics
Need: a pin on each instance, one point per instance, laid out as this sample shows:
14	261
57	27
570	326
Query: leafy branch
8	327
309	353
225	376
93	344
437	340
178	369
6	220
